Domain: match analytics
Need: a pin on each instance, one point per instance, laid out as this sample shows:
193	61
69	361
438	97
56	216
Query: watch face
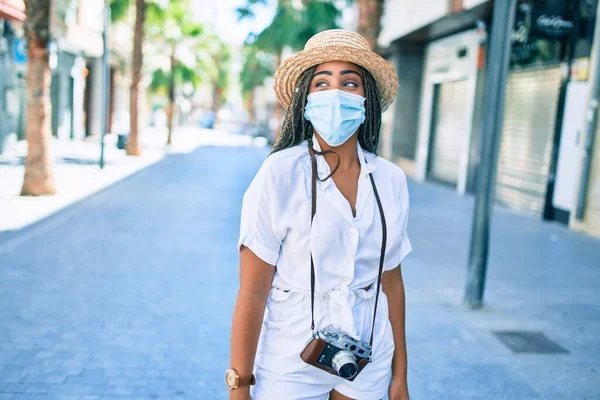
230	378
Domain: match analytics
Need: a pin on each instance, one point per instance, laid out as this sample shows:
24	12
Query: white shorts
281	373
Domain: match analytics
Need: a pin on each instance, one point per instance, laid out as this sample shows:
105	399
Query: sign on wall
20	51
540	26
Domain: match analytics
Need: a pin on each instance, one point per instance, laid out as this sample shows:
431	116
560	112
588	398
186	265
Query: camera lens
344	364
348	371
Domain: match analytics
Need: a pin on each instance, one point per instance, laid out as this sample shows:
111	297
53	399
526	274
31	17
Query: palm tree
172	30
39	174
220	73
369	20
119	11
258	65
292	26
133	145
167	81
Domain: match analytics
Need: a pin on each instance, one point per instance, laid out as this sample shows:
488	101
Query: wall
591	221
473	3
410	75
78	25
404	16
590	224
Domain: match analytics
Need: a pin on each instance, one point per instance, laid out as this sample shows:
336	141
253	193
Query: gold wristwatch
233	380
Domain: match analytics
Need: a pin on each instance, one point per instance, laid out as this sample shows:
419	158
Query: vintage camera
336	352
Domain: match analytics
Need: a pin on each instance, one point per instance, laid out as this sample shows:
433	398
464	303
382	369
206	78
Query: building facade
434	130
12	72
77	27
76	91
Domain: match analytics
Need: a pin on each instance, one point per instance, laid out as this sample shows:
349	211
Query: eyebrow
344	72
350	71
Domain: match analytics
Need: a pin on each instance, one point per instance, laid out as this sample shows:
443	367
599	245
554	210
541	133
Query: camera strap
315	177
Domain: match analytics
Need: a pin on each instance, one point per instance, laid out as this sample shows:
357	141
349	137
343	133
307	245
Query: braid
297	129
368	134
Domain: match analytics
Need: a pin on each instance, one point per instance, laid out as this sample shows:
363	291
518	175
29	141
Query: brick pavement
129	293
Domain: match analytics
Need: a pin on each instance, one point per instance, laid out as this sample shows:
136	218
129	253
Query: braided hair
297	129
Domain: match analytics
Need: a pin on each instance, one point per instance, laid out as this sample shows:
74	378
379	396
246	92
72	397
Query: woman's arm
256	277
393	287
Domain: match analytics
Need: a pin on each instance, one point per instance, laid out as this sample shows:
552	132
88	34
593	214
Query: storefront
549	38
12	61
447	108
67	93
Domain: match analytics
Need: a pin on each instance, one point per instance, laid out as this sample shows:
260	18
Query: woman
311	245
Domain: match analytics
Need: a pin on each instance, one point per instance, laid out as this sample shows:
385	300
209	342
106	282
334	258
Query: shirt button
353	230
348	260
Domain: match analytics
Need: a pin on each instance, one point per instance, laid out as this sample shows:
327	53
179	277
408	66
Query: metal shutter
526	143
448	131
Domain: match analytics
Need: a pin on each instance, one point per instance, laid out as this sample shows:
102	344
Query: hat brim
288	73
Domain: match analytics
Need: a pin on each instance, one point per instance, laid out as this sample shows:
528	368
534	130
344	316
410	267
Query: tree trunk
133	145
249	105
217	92
171	105
217	96
369	20
39	174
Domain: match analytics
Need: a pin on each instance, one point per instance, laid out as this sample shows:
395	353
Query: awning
12	9
447	25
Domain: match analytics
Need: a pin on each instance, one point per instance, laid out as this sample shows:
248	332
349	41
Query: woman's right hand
240	394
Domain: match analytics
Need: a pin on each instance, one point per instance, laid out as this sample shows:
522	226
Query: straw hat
335	45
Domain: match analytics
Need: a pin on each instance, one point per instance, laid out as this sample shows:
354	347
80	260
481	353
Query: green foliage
247	11
196	54
316	16
291	26
258	65
280	32
119	9
222	61
161	78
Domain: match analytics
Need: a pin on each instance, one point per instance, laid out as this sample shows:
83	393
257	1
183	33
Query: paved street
129	293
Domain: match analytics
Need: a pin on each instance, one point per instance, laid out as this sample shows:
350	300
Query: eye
350	84
321	84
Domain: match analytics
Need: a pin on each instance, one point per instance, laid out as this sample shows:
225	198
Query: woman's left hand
398	389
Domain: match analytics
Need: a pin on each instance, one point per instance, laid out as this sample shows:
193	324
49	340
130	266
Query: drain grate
529	342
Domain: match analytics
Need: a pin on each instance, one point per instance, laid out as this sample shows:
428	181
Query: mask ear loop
323	153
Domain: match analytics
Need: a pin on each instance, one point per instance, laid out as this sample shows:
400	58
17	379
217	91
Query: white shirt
276	226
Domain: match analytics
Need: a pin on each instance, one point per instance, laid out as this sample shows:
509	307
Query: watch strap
246	381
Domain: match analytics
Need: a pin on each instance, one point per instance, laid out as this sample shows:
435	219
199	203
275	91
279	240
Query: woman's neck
347	152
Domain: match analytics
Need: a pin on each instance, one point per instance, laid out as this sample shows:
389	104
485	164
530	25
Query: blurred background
130	129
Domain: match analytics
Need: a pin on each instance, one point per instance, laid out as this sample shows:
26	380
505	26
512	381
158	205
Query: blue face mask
335	114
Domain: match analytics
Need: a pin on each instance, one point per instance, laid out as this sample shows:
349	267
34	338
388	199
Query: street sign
20	51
